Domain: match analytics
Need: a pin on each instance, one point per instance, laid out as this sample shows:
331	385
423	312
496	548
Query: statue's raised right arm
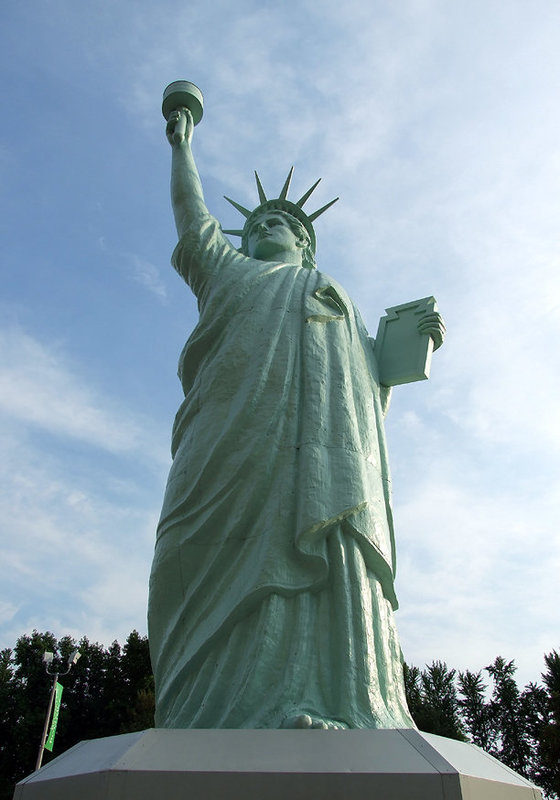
187	197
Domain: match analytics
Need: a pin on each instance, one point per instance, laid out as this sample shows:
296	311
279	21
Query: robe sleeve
202	252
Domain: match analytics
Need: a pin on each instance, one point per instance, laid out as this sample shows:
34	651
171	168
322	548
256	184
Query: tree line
521	728
111	690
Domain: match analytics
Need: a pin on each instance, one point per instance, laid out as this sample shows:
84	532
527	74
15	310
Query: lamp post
47	661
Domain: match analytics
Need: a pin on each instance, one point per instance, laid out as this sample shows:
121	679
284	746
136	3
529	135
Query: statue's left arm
434	326
431	324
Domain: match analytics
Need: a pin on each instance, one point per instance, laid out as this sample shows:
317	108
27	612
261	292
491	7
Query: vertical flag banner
50	739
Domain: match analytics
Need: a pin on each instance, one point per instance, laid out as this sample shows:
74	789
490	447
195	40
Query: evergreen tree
108	691
433	701
547	772
506	711
8	719
475	710
139	682
412	682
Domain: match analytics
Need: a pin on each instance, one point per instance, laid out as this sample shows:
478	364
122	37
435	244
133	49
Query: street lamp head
73	657
47	657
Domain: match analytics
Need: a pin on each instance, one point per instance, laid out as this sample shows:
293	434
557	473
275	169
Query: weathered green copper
272	587
182	94
402	355
280	203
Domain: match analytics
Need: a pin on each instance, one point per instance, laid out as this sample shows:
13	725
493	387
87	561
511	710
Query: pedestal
275	765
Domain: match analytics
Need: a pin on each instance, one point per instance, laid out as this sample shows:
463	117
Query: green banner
50	738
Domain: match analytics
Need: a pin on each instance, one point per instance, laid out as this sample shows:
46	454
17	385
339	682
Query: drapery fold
278	450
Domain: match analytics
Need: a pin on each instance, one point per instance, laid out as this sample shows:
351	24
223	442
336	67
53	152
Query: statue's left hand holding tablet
434	326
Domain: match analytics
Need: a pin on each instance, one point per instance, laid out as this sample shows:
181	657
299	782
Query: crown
281	203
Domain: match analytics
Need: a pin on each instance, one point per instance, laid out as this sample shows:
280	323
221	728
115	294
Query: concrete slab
274	765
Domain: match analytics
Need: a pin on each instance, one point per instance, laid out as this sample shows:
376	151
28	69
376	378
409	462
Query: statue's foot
307	722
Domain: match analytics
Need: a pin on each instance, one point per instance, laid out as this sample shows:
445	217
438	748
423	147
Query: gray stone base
160	764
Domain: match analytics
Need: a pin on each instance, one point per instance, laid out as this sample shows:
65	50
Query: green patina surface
272	586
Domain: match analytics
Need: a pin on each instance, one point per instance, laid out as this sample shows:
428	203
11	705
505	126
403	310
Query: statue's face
271	235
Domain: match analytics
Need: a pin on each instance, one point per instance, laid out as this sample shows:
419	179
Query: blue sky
438	125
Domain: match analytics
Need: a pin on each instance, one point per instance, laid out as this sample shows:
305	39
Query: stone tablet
404	355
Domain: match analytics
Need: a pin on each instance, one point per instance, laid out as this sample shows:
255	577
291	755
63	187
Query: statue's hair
298	229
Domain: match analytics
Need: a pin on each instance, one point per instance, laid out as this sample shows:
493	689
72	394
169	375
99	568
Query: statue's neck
285	257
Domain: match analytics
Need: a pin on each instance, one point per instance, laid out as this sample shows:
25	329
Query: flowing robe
271	591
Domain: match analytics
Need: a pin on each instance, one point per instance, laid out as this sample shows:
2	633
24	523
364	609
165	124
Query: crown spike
308	194
284	193
262	197
245	211
280	203
313	217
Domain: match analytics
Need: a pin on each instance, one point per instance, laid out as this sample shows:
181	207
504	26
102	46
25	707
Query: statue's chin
265	251
269	250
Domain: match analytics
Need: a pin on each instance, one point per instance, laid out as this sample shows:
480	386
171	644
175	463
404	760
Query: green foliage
109	691
475	711
548	770
514	746
520	728
432	700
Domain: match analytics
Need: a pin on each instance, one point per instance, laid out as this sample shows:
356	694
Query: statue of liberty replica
272	588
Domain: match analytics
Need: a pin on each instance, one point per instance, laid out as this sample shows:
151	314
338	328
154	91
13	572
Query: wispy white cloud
140	269
438	125
72	553
41	387
7	612
38	387
477	551
148	275
77	532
